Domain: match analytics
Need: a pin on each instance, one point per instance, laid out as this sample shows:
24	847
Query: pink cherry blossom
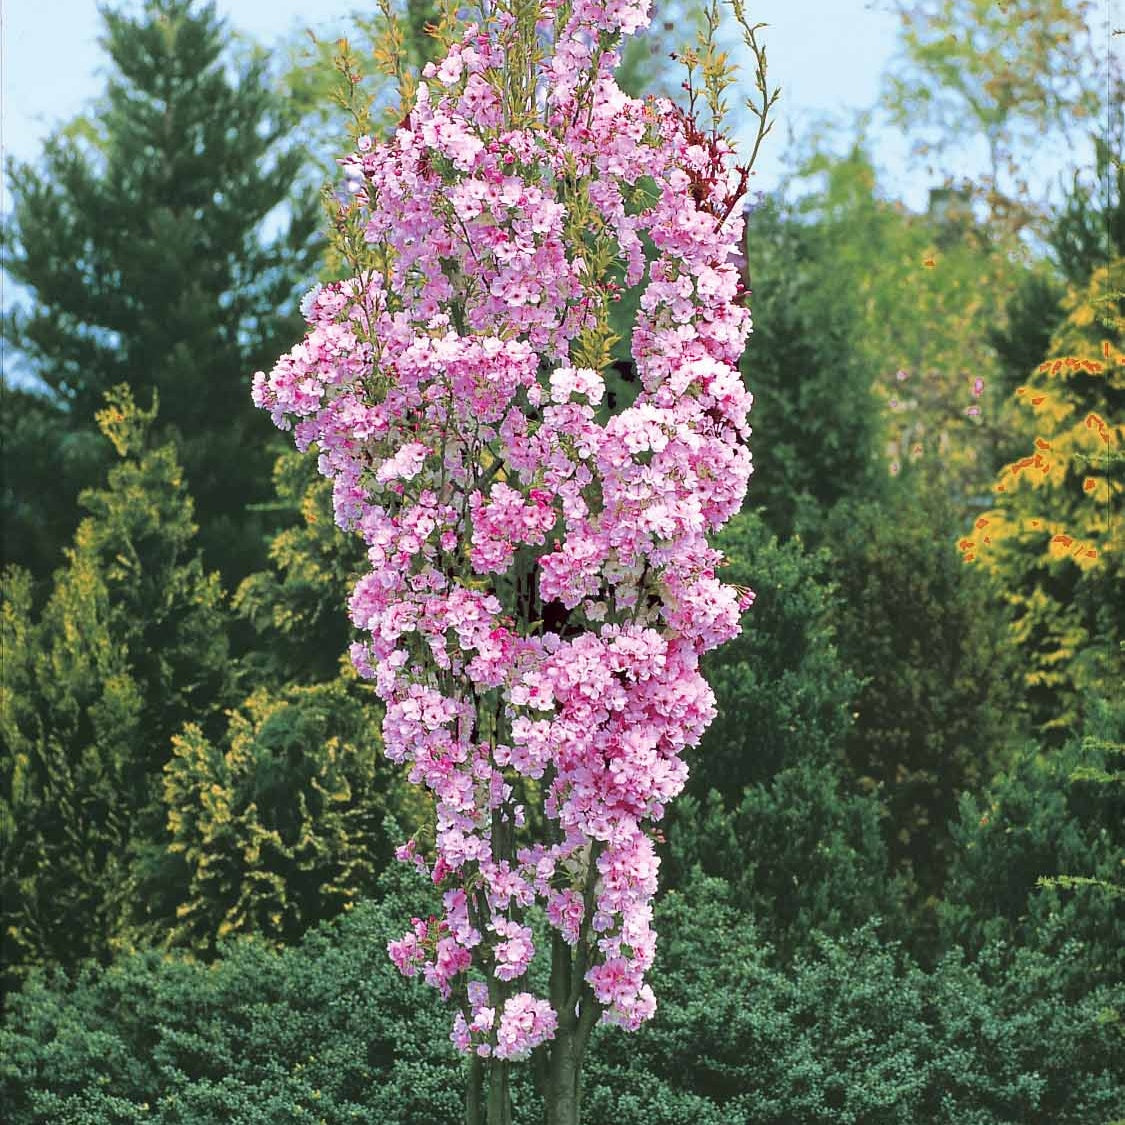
540	586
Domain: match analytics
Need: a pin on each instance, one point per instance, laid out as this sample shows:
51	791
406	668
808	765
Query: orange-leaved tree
1053	538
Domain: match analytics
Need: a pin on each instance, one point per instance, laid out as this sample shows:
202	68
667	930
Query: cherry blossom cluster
541	587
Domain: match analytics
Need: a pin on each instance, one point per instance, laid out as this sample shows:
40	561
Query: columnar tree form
541	586
813	397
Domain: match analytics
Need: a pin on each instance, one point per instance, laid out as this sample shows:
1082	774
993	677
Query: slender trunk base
563	1078
499	1096
474	1095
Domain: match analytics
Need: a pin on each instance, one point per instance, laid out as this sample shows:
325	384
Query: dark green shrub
782	689
328	1032
799	852
854	1032
1047	815
927	636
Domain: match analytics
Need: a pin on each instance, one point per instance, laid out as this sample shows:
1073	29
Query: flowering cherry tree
541	587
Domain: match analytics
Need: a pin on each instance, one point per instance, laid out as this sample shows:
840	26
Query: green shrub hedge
327	1032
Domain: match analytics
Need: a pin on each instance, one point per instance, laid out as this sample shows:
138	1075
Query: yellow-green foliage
281	821
926	289
67	707
130	644
1053	538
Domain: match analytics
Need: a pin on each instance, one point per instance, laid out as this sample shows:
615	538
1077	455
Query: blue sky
828	55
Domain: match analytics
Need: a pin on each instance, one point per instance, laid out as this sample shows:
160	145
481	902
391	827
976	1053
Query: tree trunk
563	1078
474	1095
578	1011
499	1096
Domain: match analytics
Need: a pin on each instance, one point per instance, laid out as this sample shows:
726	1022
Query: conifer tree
1052	539
937	710
281	824
296	605
158	243
131	644
820	435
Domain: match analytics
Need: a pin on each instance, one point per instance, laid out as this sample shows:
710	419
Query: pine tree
159	238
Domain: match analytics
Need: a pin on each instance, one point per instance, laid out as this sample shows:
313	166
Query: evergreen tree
280	824
1090	228
1034	311
1037	862
159	240
936	709
131	644
1087	232
1052	540
800	853
43	459
297	606
817	434
783	692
